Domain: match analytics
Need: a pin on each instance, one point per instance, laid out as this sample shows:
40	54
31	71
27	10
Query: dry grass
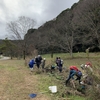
17	82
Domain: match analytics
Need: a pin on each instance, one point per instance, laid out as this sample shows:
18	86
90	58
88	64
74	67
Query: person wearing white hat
86	66
43	63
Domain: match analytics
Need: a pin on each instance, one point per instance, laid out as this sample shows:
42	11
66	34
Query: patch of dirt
18	83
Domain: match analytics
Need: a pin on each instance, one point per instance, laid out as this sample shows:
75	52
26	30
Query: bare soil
17	82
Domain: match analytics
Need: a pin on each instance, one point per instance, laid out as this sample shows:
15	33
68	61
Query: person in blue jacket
31	64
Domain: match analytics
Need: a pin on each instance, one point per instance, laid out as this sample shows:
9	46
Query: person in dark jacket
38	61
60	64
31	64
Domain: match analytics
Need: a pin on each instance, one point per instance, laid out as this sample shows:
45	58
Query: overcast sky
39	10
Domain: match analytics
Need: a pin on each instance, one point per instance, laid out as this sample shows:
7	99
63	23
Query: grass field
17	82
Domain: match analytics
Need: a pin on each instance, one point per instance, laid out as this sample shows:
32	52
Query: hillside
73	28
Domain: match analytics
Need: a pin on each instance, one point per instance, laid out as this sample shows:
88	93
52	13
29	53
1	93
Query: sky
39	10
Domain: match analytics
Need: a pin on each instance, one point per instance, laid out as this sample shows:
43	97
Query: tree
47	38
88	19
66	31
18	29
8	47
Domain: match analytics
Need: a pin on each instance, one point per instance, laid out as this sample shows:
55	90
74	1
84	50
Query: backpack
79	73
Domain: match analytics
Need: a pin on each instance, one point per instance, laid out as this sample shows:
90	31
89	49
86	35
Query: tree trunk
71	53
24	55
51	54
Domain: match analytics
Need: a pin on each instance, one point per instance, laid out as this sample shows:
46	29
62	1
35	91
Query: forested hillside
73	30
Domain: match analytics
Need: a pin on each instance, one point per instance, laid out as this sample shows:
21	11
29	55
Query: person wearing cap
43	63
31	64
88	65
74	71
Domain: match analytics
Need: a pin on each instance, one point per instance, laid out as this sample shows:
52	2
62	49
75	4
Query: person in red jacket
74	71
74	68
86	66
88	63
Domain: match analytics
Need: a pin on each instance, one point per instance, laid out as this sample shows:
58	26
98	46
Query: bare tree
47	38
66	32
17	30
88	18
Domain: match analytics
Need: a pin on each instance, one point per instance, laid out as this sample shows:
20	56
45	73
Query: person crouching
31	64
74	71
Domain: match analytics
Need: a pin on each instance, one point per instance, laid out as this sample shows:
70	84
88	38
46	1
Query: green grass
75	55
49	80
78	59
77	98
17	81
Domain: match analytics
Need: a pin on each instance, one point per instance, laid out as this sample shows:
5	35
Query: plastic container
53	89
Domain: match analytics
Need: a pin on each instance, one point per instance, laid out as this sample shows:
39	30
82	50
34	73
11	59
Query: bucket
53	89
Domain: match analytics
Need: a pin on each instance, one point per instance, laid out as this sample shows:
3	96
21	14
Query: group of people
41	61
38	61
74	71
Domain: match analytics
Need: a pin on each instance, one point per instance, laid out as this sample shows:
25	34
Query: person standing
60	64
43	63
38	61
